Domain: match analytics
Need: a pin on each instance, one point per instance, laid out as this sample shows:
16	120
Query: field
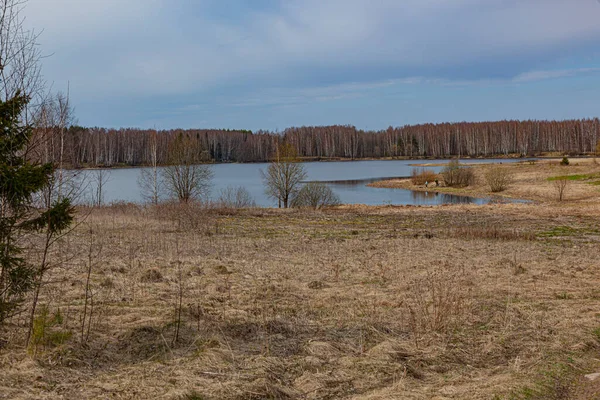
454	302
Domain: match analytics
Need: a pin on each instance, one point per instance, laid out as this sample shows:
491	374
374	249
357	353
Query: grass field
453	302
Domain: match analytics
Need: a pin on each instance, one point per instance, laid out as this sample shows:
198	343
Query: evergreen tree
20	181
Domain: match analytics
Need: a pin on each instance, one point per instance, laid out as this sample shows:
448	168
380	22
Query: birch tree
283	176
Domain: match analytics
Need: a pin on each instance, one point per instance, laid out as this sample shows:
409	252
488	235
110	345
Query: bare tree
20	55
561	185
283	176
186	179
149	180
100	178
315	195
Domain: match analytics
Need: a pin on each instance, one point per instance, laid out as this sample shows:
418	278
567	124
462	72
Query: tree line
91	147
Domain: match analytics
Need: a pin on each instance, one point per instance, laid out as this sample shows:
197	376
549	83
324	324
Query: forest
91	147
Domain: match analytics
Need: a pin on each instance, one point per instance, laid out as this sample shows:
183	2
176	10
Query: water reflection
358	182
419	197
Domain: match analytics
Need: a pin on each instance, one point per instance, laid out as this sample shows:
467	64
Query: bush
498	178
561	185
315	195
439	301
235	198
565	161
422	175
457	175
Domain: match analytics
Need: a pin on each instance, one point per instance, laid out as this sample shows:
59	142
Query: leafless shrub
151	185
498	178
455	174
421	175
232	197
439	301
315	195
561	186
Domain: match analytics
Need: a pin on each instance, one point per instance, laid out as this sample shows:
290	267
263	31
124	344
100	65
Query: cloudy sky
271	64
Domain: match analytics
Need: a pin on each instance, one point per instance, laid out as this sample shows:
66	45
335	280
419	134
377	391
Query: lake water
348	179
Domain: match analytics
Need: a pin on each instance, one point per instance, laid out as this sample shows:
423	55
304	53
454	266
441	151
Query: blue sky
270	64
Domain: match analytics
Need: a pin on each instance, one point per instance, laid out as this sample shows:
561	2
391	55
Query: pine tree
20	181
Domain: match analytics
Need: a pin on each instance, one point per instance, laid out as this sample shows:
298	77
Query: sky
272	64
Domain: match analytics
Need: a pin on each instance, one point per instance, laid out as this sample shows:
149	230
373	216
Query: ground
452	302
532	180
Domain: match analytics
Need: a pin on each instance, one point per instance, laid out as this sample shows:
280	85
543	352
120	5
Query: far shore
419	161
530	181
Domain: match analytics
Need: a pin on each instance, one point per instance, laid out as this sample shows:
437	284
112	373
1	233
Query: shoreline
416	160
530	182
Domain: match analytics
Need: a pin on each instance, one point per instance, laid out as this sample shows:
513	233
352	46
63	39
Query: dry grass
531	181
356	302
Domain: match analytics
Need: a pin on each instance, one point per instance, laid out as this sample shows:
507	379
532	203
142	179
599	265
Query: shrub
235	198
439	301
564	161
457	175
315	195
422	175
498	178
561	185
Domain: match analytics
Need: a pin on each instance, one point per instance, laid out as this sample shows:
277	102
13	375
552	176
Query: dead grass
531	181
466	302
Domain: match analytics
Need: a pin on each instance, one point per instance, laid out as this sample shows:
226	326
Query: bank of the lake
530	181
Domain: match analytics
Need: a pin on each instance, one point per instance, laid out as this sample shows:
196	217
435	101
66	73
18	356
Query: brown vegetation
457	175
529	180
420	176
561	185
498	178
354	302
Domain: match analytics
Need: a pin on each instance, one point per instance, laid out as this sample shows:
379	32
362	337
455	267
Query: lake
348	179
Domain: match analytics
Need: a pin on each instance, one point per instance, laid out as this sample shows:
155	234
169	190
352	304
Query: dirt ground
498	301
